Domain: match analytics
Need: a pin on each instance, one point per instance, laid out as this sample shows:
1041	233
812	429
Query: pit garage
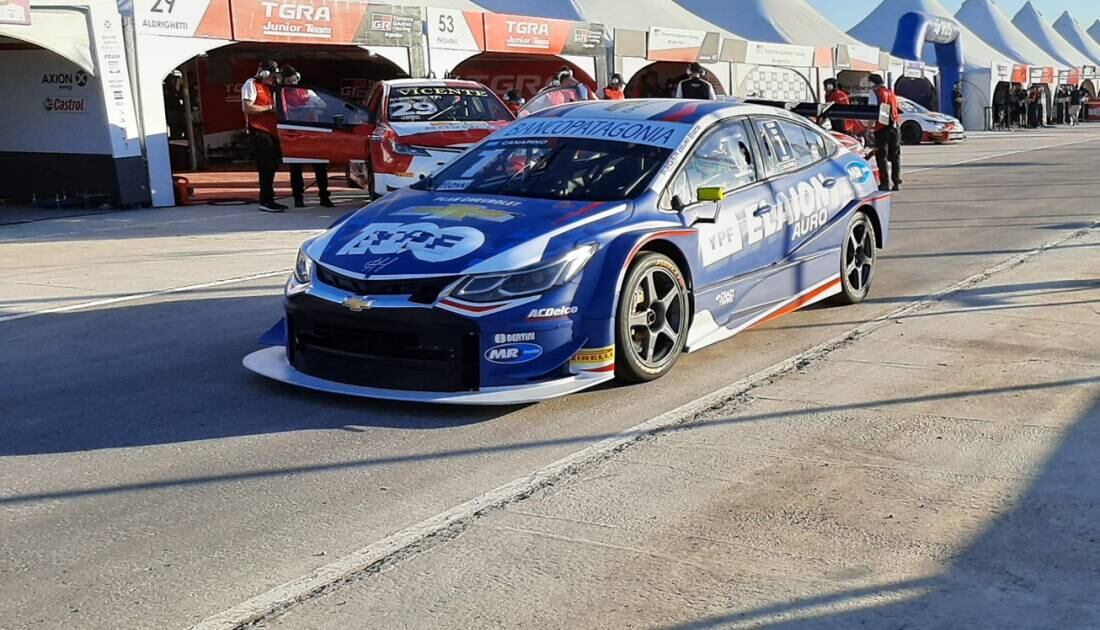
68	134
194	59
507	52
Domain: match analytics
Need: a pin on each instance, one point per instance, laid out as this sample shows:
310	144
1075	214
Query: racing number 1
158	6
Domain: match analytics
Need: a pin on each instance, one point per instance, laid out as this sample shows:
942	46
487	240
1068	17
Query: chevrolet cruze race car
586	242
920	124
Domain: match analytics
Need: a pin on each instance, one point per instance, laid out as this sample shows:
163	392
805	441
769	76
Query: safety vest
886	96
265	121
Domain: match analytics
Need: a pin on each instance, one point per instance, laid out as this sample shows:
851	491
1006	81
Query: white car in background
920	124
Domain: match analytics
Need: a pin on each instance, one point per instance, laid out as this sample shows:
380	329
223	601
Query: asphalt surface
937	472
147	480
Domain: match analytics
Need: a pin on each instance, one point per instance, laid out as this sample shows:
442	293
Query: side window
307	105
789	146
722	159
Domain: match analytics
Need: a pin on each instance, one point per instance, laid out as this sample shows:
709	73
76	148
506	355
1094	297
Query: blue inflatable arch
915	30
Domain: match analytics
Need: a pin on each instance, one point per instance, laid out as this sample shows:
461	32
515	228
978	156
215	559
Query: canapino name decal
801	208
654	133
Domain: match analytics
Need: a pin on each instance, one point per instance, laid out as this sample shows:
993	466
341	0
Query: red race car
408	129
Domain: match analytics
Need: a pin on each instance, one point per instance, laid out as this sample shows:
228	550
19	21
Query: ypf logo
426	241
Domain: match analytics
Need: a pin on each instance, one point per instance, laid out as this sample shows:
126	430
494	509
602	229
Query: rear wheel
911	133
857	260
652	322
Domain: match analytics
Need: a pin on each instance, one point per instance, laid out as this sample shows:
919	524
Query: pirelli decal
594	359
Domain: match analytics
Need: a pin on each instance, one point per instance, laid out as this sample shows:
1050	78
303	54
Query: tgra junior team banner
326	22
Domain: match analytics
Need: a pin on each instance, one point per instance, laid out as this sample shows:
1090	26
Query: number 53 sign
451	29
183	18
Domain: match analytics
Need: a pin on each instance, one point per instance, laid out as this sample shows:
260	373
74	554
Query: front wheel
652	319
857	260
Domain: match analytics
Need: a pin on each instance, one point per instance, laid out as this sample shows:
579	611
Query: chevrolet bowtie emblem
357	304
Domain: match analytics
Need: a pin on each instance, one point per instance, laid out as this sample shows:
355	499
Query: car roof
685	111
433	83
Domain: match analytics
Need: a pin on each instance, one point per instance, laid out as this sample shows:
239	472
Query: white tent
1075	34
776	21
1032	24
640	15
989	22
979	59
1094	31
881	27
555	9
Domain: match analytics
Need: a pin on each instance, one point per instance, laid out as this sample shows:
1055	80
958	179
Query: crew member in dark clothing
957	100
258	104
1075	105
695	86
887	133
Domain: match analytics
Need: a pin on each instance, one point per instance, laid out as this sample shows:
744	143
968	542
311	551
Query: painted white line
411	539
142	296
995	156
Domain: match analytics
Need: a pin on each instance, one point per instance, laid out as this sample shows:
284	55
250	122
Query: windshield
552	168
424	103
553	97
910	107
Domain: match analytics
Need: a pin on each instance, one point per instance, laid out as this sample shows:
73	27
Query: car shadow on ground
1037	565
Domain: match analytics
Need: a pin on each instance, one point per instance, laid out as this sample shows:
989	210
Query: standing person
957	100
258	104
695	86
835	95
614	89
887	133
1074	105
304	103
1021	104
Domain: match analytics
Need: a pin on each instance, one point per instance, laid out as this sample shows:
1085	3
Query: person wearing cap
695	86
887	133
304	105
515	101
614	89
258	105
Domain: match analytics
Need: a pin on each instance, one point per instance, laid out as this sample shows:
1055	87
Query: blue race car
587	242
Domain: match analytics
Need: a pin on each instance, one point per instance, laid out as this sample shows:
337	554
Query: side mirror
702	212
710	193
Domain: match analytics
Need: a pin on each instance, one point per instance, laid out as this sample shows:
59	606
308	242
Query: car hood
444	134
420	233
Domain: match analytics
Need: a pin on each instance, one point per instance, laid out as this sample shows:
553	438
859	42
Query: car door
810	189
316	126
731	244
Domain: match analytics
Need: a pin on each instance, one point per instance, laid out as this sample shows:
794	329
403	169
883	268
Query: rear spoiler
817	111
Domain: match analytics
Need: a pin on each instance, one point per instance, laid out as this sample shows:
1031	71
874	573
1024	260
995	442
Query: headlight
302	277
505	286
408	149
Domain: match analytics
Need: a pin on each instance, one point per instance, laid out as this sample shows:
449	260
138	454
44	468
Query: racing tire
857	260
911	133
652	319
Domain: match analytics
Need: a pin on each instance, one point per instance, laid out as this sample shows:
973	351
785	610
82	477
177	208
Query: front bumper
272	362
944	137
